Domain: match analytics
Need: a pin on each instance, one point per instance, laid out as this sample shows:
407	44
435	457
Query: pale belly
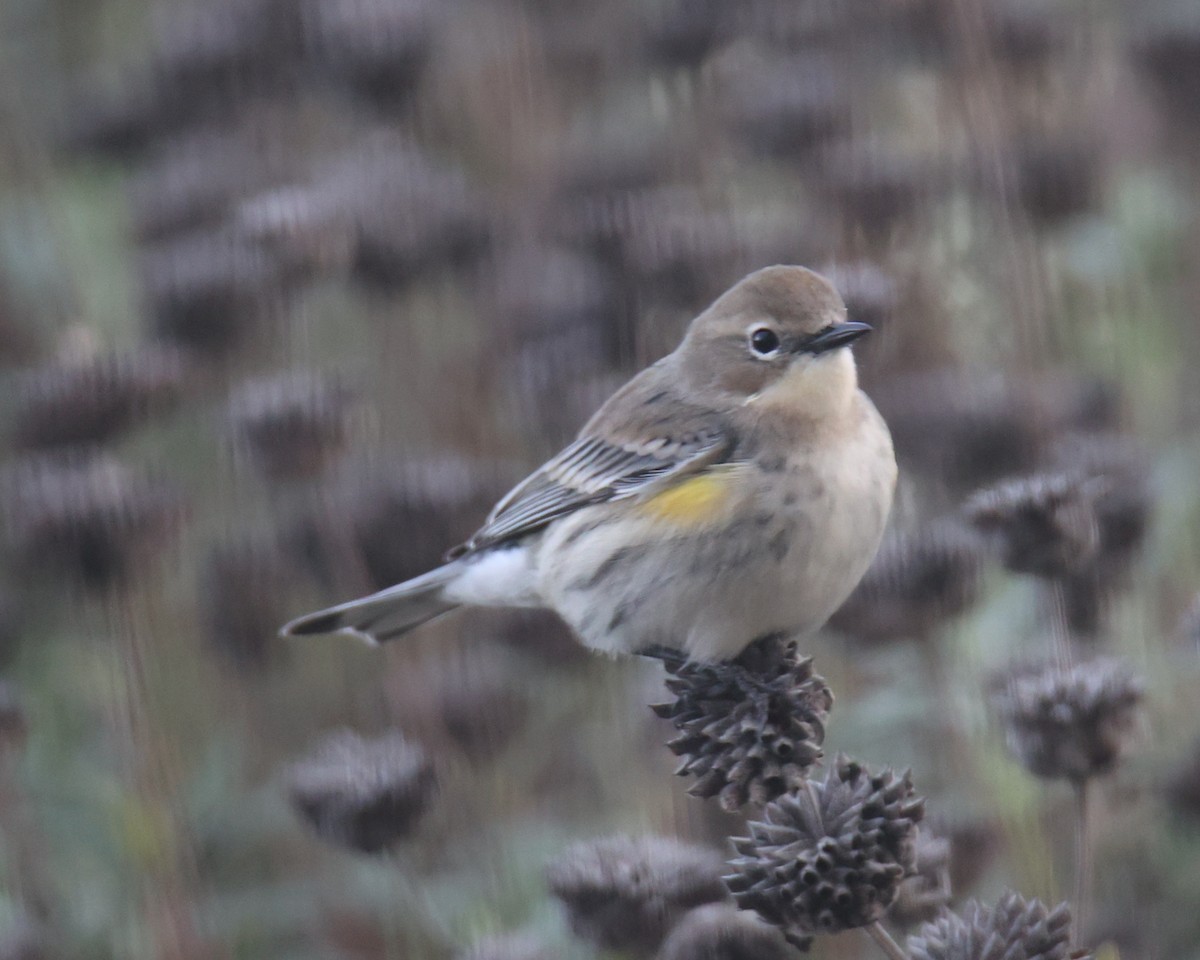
781	559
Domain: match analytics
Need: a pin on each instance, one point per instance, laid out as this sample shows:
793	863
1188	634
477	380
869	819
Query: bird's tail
387	614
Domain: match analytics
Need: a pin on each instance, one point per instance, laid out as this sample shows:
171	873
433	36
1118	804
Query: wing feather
592	470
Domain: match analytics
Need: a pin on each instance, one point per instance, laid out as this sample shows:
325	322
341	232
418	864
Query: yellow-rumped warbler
738	487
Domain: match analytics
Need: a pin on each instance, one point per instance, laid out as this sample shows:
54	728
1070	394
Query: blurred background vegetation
291	290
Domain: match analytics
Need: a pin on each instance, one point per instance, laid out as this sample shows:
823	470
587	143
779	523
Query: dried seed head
378	48
917	582
751	728
410	211
681	33
1045	524
1123	508
364	794
292	426
964	428
472	700
927	892
783	107
214	291
721	932
244	591
397	516
624	893
1056	180
1014	929
1073	722
874	185
89	517
831	856
95	399
195	178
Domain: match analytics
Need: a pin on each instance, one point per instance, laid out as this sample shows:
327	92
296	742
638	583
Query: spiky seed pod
927	892
213	290
966	428
95	399
409	211
244	591
89	517
534	289
917	582
194	179
1014	929
510	947
396	517
291	426
378	48
1123	508
681	33
751	728
720	932
359	793
1069	722
1045	524
1165	54
626	893
831	856
1057	180
783	107
876	187
472	701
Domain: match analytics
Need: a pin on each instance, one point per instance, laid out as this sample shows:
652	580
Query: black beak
839	335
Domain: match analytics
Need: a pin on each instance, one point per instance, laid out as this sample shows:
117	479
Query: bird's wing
649	446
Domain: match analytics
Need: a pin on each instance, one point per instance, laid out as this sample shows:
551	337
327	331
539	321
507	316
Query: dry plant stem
165	887
988	117
888	945
1083	856
1059	632
950	752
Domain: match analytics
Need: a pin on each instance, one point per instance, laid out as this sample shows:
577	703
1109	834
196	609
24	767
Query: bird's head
775	339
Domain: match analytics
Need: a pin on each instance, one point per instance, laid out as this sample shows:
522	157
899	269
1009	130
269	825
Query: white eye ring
763	342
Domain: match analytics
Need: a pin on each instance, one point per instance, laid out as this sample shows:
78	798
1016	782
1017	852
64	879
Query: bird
736	489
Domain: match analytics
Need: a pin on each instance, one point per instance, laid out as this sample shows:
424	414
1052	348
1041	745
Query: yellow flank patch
692	501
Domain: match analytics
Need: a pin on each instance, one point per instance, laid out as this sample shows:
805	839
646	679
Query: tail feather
384	615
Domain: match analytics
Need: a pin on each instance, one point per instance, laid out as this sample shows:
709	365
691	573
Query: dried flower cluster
91	518
720	932
917	582
750	729
95	399
626	893
1046	524
1014	929
1072	723
830	857
362	794
292	425
926	893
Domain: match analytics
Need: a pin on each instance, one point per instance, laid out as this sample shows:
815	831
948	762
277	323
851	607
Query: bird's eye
764	341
